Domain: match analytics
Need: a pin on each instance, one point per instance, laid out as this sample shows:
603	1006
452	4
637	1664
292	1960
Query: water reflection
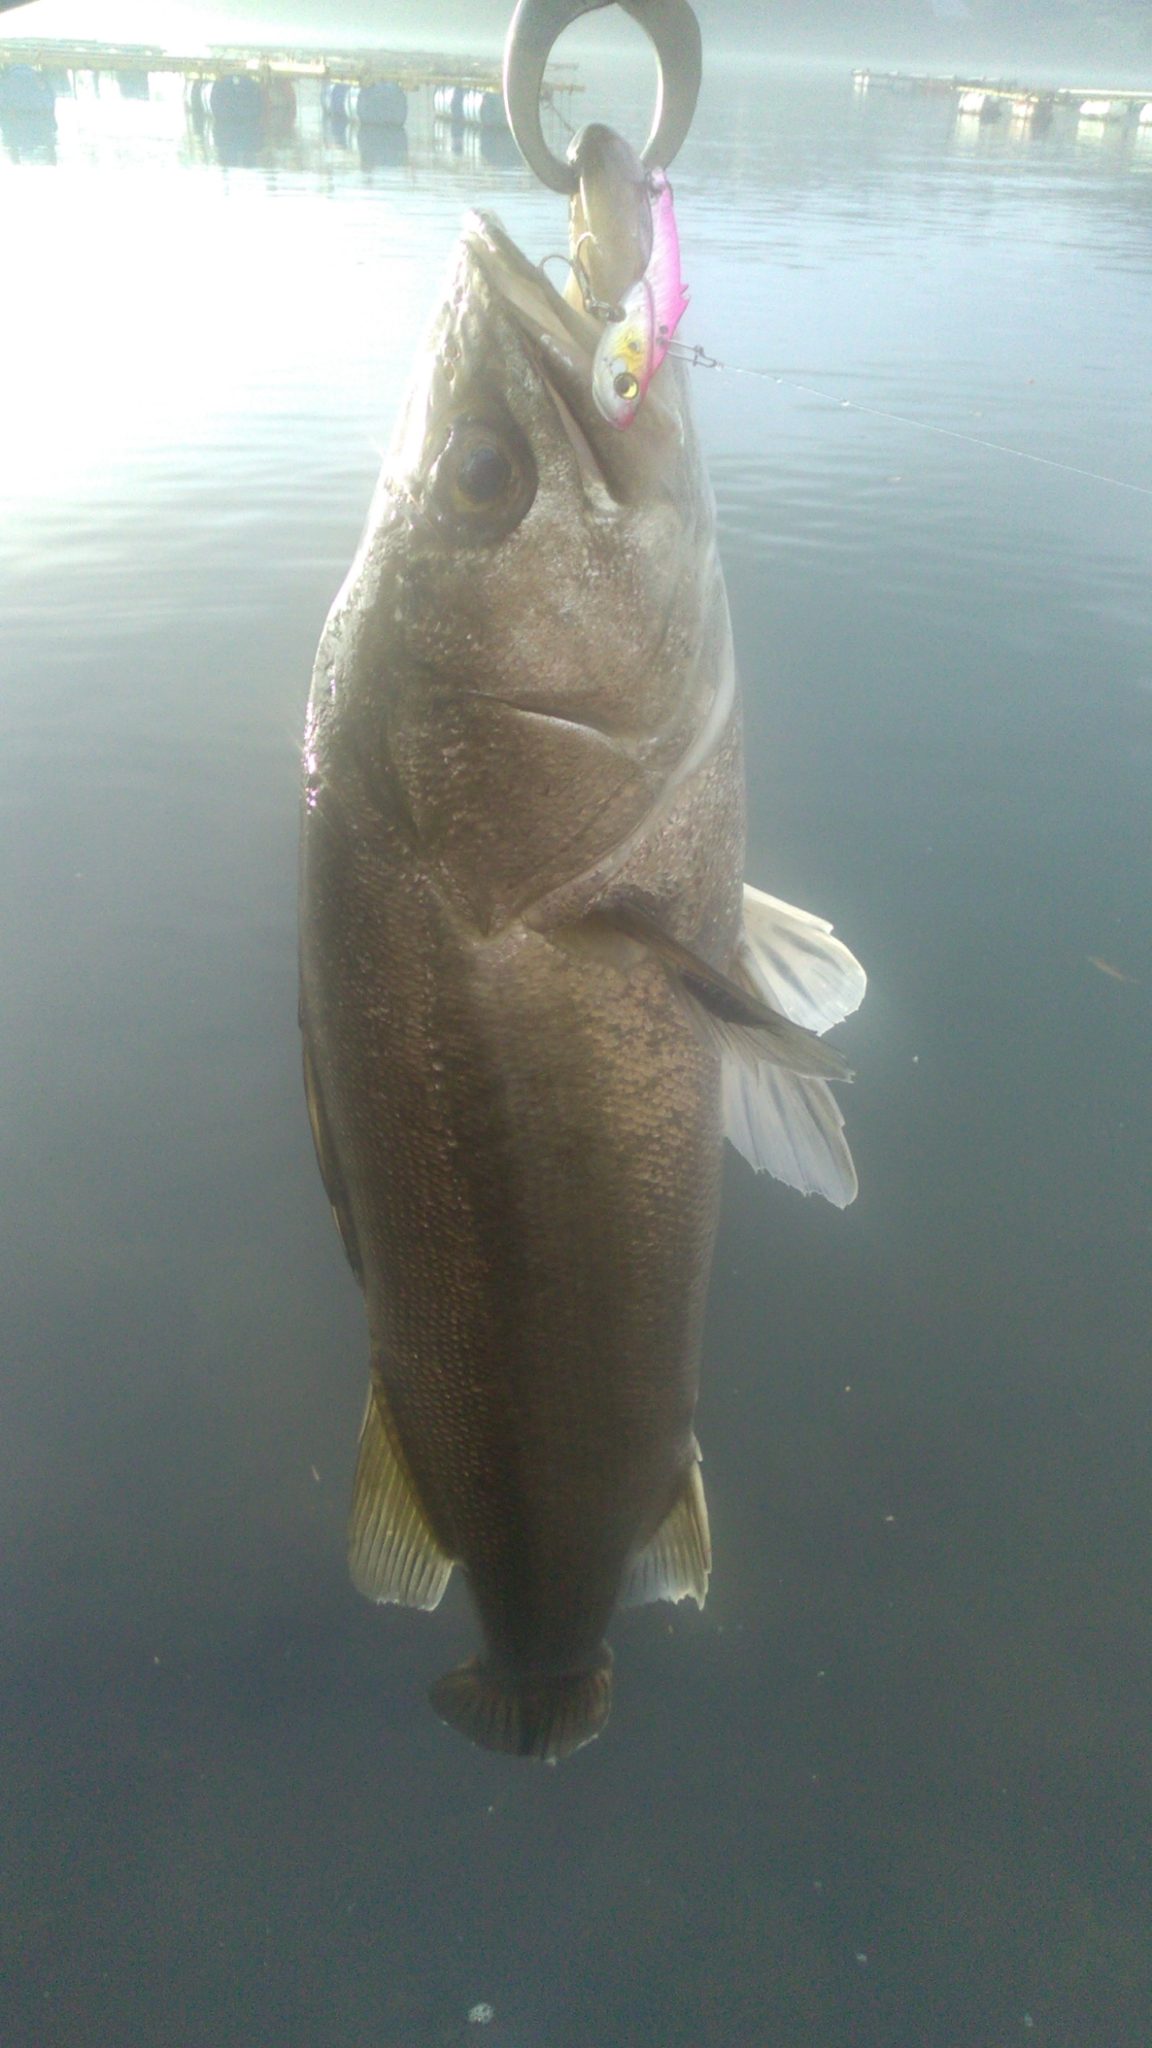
28	114
29	135
374	146
475	147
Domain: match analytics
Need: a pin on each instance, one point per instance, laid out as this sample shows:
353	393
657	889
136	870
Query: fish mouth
559	339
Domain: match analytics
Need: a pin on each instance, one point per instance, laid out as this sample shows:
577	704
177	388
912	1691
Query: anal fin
392	1553
676	1563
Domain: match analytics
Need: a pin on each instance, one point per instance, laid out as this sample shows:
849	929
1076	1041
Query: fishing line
698	358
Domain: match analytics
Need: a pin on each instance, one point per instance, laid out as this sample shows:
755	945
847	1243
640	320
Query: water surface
892	1786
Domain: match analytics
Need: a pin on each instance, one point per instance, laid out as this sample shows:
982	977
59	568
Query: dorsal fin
675	1564
392	1553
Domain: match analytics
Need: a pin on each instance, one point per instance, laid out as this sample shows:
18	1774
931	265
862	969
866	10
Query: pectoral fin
676	1563
789	1127
797	965
733	1012
789	1124
791	979
392	1553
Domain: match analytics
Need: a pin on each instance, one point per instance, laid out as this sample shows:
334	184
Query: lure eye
625	385
483	480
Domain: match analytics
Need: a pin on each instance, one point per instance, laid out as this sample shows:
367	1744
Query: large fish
535	992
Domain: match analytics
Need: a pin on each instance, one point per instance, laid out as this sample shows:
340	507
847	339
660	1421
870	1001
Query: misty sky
947	34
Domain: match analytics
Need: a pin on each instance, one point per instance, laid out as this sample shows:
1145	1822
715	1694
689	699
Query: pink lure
631	349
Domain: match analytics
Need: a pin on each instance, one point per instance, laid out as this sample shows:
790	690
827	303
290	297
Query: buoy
483	109
380	104
236	100
24	90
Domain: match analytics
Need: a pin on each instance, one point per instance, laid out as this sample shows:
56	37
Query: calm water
892	1787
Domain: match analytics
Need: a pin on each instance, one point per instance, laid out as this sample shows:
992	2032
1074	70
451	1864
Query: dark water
892	1786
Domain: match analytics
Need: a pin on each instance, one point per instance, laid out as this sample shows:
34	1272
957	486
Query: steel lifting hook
535	26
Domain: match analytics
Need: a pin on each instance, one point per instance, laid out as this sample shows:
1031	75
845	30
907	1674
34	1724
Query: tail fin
529	1715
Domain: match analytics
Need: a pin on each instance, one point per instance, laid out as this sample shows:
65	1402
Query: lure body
632	347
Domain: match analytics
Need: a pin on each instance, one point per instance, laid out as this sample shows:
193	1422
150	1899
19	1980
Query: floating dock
990	100
411	70
243	98
361	70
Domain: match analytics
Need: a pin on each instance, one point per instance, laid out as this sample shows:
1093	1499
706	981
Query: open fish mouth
559	339
523	286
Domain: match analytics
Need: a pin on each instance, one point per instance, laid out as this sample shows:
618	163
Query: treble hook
535	26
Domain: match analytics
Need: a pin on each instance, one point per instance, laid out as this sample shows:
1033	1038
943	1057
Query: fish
535	992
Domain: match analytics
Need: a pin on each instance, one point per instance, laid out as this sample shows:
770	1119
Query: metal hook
675	36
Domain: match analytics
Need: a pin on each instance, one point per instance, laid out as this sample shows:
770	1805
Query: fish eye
625	385
483	481
485	473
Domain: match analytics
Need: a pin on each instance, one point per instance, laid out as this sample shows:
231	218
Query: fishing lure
635	342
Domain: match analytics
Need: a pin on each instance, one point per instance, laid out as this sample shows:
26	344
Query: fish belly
528	1138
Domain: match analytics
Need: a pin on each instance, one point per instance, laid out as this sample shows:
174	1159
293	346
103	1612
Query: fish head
534	591
542	555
